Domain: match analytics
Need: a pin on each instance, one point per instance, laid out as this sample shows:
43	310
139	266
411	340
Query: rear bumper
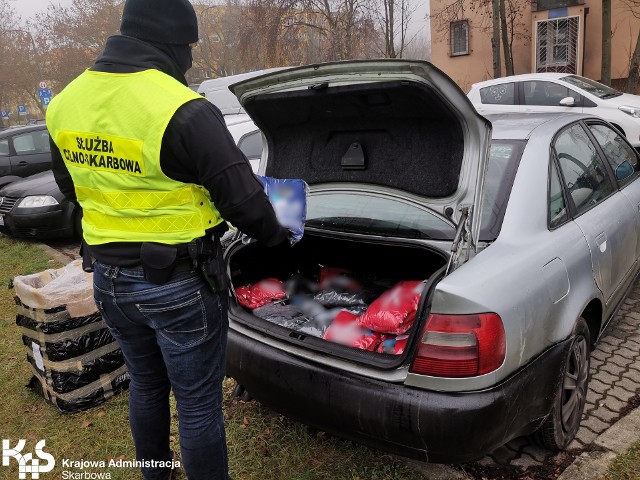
428	425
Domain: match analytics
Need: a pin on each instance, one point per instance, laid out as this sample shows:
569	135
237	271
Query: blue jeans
173	336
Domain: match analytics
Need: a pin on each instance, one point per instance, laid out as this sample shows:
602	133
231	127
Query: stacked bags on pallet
75	362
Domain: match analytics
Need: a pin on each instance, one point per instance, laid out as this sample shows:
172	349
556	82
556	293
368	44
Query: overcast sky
27	8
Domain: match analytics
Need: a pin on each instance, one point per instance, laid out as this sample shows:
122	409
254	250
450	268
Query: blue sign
45	92
22	109
4	114
46	101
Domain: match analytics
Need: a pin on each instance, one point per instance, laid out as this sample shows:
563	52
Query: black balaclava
169	25
180	54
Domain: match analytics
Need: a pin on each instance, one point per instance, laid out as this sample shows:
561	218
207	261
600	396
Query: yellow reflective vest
109	129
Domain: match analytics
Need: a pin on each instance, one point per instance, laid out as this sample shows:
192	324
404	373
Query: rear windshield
503	163
362	212
591	86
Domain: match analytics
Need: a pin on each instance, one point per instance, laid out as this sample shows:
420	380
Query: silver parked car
522	230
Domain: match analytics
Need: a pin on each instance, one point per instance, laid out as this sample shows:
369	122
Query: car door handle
24	162
601	240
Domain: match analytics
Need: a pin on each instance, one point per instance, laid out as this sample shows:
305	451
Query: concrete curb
435	471
616	440
56	255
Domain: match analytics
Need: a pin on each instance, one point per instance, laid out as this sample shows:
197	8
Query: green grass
262	445
625	466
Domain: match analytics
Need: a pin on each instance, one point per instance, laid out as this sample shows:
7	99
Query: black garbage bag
283	314
85	397
73	346
64	377
332	298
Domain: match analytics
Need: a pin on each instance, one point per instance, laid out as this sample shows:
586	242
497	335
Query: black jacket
197	148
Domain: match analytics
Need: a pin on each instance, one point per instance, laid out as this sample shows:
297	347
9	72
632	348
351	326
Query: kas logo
26	463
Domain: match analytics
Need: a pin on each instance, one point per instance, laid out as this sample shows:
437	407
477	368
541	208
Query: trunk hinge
461	236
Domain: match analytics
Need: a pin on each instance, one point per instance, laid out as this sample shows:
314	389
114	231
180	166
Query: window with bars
459	38
557	45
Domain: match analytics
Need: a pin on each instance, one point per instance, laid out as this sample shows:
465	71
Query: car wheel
238	391
563	422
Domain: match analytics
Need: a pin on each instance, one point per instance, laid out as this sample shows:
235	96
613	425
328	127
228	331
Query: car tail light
460	345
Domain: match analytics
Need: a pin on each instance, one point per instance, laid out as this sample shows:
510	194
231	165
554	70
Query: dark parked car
24	151
34	207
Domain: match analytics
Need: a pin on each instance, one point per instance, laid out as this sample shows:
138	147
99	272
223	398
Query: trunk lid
394	125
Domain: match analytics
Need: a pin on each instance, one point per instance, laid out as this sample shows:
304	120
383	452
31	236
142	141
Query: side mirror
568	102
624	170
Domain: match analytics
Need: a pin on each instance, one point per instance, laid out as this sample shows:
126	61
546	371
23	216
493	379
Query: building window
459	38
557	45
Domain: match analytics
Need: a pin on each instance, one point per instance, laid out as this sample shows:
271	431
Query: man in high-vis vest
157	175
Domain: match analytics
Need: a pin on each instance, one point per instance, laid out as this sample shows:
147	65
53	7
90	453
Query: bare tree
217	53
261	32
394	20
605	74
419	48
346	27
506	24
20	62
508	54
495	38
633	6
74	36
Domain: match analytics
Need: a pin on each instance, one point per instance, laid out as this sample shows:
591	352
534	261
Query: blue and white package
289	200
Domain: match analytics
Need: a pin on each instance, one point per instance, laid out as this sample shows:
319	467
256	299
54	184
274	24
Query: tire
237	391
246	397
561	426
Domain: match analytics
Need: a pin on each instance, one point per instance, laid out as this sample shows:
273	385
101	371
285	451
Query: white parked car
216	90
559	92
247	136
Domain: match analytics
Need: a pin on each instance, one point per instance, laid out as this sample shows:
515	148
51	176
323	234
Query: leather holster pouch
158	261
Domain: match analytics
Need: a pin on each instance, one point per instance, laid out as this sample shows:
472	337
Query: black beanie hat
173	22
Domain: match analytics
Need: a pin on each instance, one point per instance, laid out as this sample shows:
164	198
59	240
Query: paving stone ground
615	380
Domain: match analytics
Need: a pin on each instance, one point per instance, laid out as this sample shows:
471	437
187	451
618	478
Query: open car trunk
324	277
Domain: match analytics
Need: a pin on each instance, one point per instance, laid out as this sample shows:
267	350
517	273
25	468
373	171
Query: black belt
183	265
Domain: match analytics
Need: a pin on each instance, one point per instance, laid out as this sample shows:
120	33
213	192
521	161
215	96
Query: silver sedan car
521	232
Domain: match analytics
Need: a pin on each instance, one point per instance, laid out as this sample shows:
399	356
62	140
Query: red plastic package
395	310
345	331
333	278
392	344
261	293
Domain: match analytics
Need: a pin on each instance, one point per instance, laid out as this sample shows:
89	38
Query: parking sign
45	95
4	114
22	109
